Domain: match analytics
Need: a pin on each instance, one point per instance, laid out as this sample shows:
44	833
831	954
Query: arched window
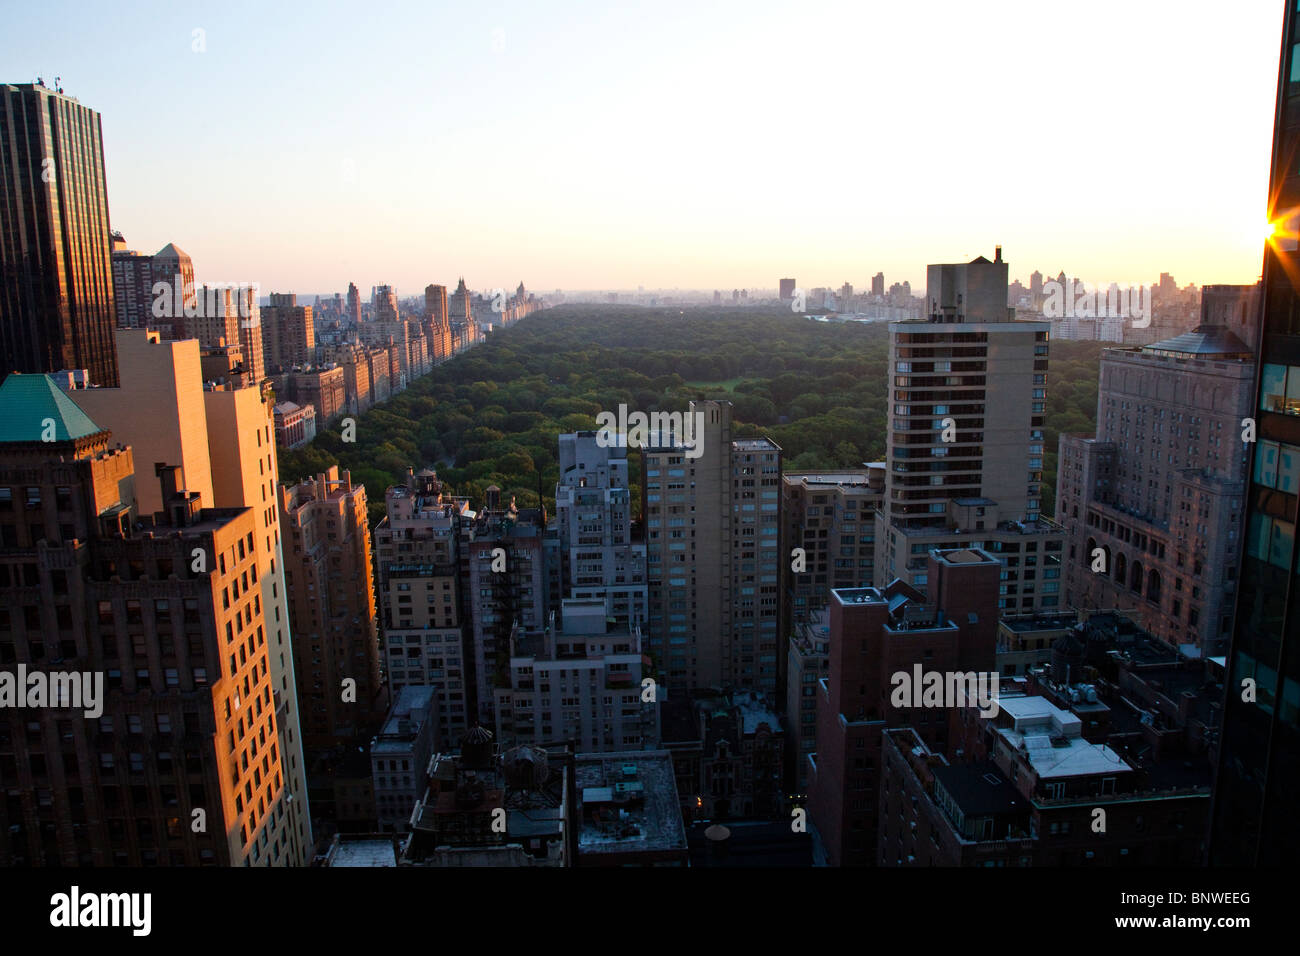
1153	586
1135	579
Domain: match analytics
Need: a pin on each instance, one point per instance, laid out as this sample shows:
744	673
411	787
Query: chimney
169	476
997	253
181	508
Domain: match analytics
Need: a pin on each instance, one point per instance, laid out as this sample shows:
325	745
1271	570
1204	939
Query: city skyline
531	143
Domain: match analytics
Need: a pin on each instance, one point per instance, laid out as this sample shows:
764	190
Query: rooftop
1050	739
1204	341
618	816
28	402
356	849
980	789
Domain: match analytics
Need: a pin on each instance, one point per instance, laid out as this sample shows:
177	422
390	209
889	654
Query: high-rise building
323	388
384	331
166	751
876	634
330	581
354	304
153	292
965	438
384	304
288	333
417	545
1159	490
578	682
808	661
786	291
1259	773
437	322
830	517
223	442
593	509
399	754
509	584
713	525
878	284
56	276
464	330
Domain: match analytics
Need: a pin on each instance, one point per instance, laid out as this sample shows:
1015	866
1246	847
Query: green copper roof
29	402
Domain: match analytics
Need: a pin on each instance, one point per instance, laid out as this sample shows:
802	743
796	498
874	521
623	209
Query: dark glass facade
56	278
1254	820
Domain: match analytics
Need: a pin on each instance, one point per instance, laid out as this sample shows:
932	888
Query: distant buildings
464	329
56	278
324	388
354	304
295	425
288	334
785	291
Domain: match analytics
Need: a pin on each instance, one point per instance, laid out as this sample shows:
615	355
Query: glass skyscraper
1259	763
56	278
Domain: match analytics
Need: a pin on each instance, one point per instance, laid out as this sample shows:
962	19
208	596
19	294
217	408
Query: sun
1270	229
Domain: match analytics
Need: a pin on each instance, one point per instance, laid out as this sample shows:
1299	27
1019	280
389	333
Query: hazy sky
694	144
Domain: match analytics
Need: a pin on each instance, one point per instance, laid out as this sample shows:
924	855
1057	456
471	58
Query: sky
702	145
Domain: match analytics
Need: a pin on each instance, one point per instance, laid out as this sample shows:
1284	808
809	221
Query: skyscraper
331	587
437	325
174	759
876	634
56	278
354	303
1259	761
712	544
222	439
598	556
136	296
1159	488
417	547
965	438
288	333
